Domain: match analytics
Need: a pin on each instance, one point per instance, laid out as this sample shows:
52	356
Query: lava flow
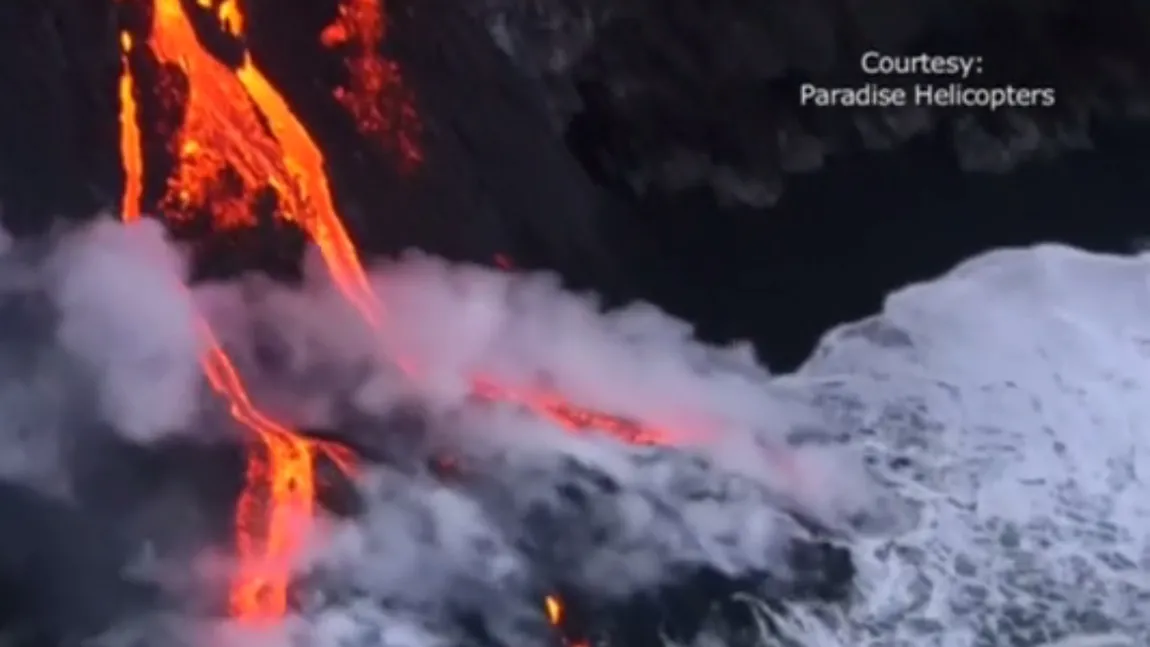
279	491
278	499
374	95
130	146
239	139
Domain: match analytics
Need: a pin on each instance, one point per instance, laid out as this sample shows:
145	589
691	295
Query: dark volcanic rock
498	178
639	88
690	95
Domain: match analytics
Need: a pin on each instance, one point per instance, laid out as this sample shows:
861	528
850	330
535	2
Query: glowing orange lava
553	607
239	139
279	495
130	148
227	13
559	411
374	95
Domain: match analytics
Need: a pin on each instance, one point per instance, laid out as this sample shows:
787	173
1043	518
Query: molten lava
553	607
374	95
278	500
279	495
239	140
559	411
130	147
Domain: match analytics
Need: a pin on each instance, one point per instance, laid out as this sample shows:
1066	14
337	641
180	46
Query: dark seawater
842	237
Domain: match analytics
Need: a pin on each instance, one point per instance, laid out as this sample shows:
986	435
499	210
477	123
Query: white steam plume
651	514
455	323
123	310
631	517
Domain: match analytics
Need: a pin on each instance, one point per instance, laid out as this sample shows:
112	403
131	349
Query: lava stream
239	138
278	500
279	493
130	147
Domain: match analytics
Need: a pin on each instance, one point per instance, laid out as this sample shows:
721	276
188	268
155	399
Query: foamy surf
1005	402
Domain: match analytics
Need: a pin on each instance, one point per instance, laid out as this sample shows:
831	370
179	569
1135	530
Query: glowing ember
554	610
228	13
553	607
374	95
239	140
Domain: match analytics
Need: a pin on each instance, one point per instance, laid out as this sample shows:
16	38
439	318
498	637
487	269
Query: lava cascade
238	138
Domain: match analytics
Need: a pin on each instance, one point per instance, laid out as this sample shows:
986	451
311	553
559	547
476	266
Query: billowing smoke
124	312
111	336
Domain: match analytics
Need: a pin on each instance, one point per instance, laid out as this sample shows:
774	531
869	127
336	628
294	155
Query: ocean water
1006	404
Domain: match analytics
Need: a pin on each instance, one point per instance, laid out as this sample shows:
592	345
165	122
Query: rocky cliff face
690	95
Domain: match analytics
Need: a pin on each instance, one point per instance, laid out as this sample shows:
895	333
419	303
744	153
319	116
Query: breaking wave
1005	401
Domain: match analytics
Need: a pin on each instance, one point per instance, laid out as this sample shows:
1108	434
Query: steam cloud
115	329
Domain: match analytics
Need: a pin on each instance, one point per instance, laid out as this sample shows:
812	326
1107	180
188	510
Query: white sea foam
1008	402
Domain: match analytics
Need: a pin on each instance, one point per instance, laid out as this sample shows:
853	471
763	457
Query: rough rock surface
690	94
